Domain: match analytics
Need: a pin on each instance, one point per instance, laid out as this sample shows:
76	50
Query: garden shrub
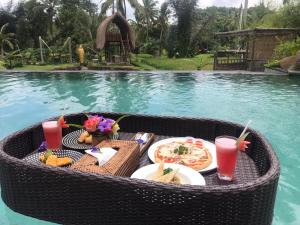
150	47
273	64
286	49
13	59
145	55
31	56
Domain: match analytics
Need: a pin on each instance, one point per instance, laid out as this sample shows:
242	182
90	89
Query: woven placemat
123	163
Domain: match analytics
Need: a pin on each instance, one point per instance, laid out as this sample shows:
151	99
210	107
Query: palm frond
13	53
10	45
164	9
4	27
105	6
10	35
136	5
66	42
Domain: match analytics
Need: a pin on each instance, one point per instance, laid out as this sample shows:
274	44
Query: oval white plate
186	174
210	146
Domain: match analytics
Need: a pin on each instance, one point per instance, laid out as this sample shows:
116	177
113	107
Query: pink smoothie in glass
226	156
53	134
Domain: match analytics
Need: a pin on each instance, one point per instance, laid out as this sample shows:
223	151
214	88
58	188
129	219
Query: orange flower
243	145
61	121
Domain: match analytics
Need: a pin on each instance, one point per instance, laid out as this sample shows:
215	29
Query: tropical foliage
184	12
178	28
5	39
286	49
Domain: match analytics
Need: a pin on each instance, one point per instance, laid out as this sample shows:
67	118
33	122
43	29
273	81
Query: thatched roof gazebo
117	45
256	48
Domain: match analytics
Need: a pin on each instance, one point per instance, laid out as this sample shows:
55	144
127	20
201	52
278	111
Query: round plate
70	141
186	174
35	157
210	146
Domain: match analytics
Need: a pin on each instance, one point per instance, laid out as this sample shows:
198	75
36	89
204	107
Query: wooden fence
230	60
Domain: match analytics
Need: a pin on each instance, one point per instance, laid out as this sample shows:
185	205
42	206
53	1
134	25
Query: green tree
8	17
32	22
147	15
5	39
289	14
256	15
172	41
184	11
74	22
163	24
50	7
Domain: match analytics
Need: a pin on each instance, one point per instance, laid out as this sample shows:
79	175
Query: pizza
190	154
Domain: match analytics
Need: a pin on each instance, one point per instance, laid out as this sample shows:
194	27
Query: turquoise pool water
271	102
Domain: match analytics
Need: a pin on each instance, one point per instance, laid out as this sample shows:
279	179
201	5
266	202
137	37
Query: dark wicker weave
122	164
70	197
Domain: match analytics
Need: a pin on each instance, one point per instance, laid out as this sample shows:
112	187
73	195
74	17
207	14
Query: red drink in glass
226	156
53	134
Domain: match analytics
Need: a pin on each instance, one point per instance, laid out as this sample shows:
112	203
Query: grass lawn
1	65
40	67
45	67
140	62
148	62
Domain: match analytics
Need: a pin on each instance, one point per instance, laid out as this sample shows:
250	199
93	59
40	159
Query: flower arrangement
97	126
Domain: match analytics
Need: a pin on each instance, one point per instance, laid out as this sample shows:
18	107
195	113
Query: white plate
103	156
210	146
186	174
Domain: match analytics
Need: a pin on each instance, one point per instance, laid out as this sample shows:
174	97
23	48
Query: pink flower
96	119
91	125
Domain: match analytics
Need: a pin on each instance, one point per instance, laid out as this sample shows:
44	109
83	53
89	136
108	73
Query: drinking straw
246	127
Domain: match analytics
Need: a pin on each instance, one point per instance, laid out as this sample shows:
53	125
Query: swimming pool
271	102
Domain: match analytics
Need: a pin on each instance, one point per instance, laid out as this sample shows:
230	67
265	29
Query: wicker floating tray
67	196
121	164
